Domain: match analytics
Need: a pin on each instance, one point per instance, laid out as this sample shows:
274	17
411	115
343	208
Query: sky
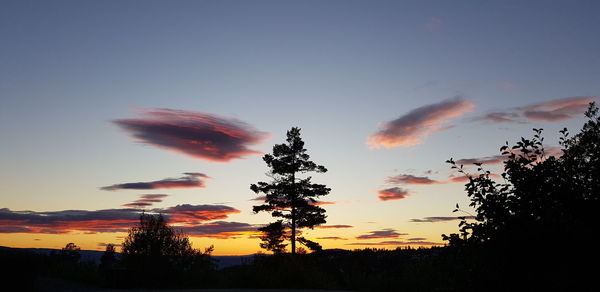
108	108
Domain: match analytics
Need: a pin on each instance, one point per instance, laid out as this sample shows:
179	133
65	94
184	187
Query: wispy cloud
192	214
438	219
385	233
394	193
433	24
410	179
191	180
332	238
412	127
548	111
200	135
339	226
397	242
222	230
496	159
146	200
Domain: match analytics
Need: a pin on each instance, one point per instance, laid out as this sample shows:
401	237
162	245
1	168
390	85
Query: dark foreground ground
56	285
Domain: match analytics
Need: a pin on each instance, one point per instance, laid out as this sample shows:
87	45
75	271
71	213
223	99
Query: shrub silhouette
514	234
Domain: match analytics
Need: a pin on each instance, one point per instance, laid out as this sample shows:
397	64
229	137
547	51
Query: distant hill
95	255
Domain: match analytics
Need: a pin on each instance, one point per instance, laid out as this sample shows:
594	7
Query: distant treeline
429	269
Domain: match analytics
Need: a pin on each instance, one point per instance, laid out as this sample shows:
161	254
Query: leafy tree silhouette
542	197
70	252
289	196
108	259
156	251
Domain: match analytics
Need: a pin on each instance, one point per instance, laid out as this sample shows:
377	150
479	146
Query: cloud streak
411	179
397	242
146	201
548	111
191	180
340	226
438	219
108	220
412	127
199	135
394	193
222	230
385	233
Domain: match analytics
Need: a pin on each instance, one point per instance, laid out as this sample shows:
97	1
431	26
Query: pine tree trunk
294	213
293	230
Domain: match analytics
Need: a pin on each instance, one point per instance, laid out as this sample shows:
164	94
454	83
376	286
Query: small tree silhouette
289	196
273	237
159	253
108	259
70	252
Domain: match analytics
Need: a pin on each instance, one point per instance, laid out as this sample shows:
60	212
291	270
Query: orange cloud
109	220
223	230
191	214
410	128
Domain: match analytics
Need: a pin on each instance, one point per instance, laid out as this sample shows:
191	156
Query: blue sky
338	69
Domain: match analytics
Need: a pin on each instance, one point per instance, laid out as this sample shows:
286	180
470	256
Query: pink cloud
410	128
394	193
410	179
548	111
496	159
433	24
558	109
199	135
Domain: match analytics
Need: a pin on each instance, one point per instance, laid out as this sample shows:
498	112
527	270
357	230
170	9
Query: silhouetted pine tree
289	196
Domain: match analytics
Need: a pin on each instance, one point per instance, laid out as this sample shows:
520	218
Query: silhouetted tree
108	259
273	237
70	252
541	197
288	196
159	252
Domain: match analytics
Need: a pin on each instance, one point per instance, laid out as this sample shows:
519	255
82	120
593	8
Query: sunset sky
108	108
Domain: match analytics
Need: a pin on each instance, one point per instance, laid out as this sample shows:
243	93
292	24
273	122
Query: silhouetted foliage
158	255
541	199
273	237
287	195
108	260
379	270
70	252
